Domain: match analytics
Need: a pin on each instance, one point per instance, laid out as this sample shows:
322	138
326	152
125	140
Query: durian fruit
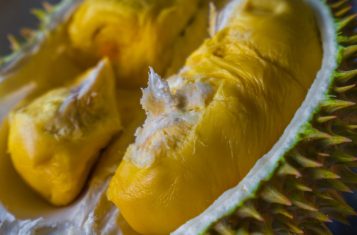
55	140
292	189
208	125
147	33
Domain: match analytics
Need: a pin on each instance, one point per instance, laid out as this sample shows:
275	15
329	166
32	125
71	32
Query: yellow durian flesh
259	69
140	33
55	140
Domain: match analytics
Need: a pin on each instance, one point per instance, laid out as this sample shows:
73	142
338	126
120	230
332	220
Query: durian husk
302	186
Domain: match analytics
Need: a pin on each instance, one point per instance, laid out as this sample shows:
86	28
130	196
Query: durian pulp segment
55	140
140	33
247	82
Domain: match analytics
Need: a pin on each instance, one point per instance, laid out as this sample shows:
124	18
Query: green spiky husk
49	18
303	192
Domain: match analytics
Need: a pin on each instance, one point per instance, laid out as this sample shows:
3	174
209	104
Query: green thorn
324	119
352	127
347	39
272	195
336	140
15	45
345	22
311	133
287	169
338	4
347	210
304	205
339	186
293	228
320	217
342	157
349	51
317	215
324	196
302	187
39	14
343	11
344	89
333	105
249	211
306	162
345	76
336	203
319	174
339	207
224	229
283	212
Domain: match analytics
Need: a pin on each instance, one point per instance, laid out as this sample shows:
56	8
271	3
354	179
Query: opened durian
255	134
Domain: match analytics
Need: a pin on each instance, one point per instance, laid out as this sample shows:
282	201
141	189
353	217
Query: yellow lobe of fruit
55	140
140	33
208	125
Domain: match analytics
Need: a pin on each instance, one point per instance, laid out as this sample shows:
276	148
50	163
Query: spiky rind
50	17
304	191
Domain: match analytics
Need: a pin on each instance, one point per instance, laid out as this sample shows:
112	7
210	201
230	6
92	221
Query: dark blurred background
15	14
